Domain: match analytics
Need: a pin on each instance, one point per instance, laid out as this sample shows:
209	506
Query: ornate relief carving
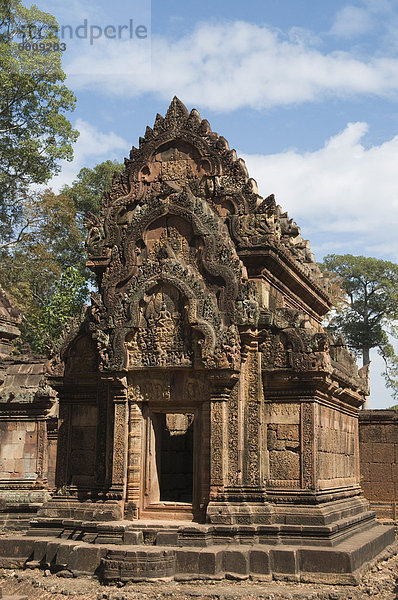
288	340
247	304
155	389
234	474
41	449
119	442
218	441
253	418
308	445
164	339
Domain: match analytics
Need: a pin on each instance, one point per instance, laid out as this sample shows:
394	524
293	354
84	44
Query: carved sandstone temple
200	385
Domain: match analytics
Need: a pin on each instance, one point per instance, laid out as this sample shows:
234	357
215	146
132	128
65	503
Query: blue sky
306	91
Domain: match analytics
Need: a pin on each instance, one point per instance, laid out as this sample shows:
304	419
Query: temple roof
253	221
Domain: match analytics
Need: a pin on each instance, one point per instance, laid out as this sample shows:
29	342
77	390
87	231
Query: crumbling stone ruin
28	426
208	423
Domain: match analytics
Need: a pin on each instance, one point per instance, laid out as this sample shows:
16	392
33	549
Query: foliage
32	269
90	184
35	133
371	312
66	301
45	316
47	243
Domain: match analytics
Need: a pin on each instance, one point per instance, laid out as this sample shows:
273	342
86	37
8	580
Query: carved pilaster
133	495
253	412
61	477
119	443
308	445
100	462
41	466
219	395
234	448
218	444
254	418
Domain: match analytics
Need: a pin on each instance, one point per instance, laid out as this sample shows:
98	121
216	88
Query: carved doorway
169	465
168	472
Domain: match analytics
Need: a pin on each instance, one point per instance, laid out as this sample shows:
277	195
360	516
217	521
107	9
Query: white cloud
92	147
230	66
375	20
351	21
344	195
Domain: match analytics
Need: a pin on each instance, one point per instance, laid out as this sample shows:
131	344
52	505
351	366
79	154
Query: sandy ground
380	582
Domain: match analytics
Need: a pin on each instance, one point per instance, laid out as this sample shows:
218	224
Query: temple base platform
182	550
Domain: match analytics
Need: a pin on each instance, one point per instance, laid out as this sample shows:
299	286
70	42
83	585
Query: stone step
13	597
113	562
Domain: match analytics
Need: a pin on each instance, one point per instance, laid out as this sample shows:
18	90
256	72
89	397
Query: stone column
219	394
254	472
119	454
133	495
41	459
308	445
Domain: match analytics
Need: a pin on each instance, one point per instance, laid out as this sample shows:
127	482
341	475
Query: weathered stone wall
28	426
283	433
18	443
337	435
27	460
378	435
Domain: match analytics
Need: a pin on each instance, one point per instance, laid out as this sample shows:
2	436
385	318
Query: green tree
35	133
87	189
67	300
47	241
370	313
32	269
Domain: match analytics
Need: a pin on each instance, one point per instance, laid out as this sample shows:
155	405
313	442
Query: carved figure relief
163	337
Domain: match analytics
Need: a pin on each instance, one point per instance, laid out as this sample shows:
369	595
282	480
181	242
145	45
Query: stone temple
208	423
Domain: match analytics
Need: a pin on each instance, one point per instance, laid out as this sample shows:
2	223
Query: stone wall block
210	561
383	452
284	464
380	472
390	433
187	560
288	432
259	562
372	433
382	491
236	562
367	489
283	562
394	469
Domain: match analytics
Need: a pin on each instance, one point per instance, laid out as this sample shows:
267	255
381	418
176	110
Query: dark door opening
174	456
